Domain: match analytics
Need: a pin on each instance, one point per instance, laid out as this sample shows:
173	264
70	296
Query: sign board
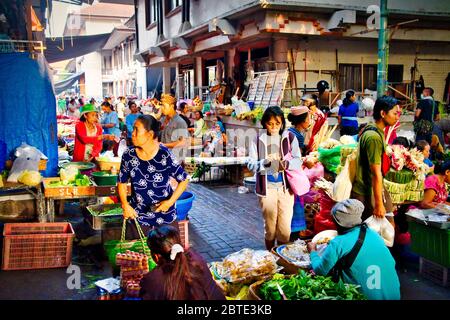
267	88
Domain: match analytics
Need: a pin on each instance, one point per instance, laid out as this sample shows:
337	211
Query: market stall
73	184
215	168
430	239
283	274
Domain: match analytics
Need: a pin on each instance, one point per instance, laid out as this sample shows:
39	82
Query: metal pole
382	50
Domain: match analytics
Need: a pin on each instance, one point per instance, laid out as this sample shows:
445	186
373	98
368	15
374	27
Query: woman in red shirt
88	135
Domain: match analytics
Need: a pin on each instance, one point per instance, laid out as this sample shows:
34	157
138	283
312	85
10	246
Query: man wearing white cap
357	255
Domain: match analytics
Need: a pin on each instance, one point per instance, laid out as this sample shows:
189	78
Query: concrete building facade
122	74
315	41
98	18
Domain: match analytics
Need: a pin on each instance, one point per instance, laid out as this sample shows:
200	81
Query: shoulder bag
345	262
298	180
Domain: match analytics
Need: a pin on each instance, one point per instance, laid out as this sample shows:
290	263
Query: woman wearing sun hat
88	135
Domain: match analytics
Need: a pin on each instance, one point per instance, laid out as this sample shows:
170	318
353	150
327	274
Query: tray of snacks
293	256
245	266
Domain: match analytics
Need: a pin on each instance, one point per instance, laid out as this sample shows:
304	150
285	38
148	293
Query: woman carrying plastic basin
149	166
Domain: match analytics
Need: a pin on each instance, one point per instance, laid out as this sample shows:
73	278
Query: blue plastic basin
184	204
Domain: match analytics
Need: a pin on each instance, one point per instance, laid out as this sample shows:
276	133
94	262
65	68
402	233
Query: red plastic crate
183	225
37	245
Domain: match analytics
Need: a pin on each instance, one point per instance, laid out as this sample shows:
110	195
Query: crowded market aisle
222	221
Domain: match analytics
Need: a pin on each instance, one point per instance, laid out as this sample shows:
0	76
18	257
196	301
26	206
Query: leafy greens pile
305	286
80	180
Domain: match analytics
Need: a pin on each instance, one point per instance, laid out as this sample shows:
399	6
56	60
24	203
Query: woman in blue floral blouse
150	166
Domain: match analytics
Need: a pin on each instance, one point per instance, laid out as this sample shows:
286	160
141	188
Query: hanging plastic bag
383	227
122	148
343	184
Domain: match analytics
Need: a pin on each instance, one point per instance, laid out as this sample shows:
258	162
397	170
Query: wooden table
36	192
52	194
225	162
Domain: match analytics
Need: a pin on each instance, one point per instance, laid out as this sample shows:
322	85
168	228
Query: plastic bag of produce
383	227
122	147
30	178
21	165
323	220
68	174
246	266
315	173
330	158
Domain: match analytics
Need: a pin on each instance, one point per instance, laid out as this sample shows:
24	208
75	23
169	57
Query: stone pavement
222	221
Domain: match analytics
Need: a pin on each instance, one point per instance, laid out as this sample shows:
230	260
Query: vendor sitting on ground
435	188
372	266
180	274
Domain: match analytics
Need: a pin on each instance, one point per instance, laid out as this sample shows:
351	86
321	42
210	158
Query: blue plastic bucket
184	204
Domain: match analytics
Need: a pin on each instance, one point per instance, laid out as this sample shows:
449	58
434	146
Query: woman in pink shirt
435	187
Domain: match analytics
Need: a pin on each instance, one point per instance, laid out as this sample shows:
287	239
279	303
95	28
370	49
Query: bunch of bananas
255	115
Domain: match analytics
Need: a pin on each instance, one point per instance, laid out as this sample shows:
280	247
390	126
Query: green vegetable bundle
305	286
330	158
81	180
403	176
201	170
113	212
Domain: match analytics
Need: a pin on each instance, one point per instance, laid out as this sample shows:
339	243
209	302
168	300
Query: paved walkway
223	221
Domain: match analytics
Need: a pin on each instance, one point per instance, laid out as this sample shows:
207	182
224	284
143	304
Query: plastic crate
99	222
37	245
184	233
434	272
431	243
